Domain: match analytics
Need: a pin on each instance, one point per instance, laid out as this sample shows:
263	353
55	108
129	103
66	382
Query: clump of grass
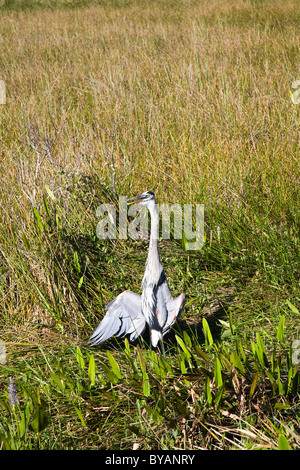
205	395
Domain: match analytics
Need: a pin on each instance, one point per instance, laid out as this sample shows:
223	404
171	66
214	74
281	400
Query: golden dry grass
198	92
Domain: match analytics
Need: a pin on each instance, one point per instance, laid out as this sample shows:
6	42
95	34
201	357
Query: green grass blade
280	329
207	333
283	443
92	369
79	414
79	358
114	365
183	347
218	373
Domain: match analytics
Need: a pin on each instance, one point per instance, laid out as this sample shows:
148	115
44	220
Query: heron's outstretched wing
174	307
124	317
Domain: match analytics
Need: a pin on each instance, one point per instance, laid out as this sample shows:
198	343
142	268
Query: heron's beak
136	199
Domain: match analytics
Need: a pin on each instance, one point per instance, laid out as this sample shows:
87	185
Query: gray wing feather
124	317
174	307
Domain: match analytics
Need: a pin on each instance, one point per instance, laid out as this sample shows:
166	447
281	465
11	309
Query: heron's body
130	313
156	292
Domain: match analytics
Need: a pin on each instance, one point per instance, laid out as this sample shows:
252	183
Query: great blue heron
130	313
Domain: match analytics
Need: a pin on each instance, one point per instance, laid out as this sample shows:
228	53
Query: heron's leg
163	347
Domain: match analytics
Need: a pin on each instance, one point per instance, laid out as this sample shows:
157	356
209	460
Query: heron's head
143	199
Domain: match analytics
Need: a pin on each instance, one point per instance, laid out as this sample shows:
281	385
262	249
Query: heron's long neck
153	253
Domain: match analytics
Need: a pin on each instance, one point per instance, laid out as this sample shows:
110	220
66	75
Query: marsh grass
203	396
192	101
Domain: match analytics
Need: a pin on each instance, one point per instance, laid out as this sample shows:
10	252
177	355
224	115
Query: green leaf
78	411
25	241
184	242
50	193
207	333
282	406
240	350
127	350
232	327
226	334
283	443
80	282
224	323
270	376
218	373
289	378
114	365
184	371
24	420
79	358
76	262
164	366
280	329
46	205
253	385
292	307
110	375
187	339
58	381
146	385
183	347
92	370
260	343
201	353
141	359
236	361
38	220
42	297
260	351
219	395
254	350
208	394
4	444
39	421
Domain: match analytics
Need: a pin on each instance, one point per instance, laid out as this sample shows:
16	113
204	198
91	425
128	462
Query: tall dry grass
198	92
189	99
